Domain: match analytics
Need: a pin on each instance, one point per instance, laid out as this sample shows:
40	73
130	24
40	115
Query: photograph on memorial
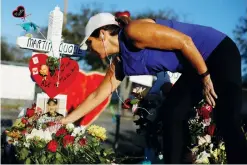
51	106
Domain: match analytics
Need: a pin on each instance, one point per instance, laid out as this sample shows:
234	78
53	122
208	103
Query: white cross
53	45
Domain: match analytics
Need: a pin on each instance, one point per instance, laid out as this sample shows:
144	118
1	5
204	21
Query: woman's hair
52	100
113	29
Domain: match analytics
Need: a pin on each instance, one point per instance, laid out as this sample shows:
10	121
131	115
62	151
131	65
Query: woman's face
52	107
100	45
95	45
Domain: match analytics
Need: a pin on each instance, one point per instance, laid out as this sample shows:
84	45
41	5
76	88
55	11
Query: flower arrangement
206	147
37	139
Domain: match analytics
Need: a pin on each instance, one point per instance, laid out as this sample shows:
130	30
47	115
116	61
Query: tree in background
5	52
240	34
12	53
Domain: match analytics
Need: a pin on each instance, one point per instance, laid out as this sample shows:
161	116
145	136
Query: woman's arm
108	85
143	34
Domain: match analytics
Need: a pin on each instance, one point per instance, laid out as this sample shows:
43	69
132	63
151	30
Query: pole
65	12
118	115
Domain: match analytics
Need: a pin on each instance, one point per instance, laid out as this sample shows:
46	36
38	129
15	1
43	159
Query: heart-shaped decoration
84	85
55	83
124	13
19	12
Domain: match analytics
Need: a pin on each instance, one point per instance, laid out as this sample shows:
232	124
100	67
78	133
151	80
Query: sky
220	14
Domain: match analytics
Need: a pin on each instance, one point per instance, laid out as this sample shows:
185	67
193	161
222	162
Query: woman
208	60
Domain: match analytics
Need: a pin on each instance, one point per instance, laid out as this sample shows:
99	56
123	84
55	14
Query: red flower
126	104
24	121
52	146
68	140
207	107
61	131
82	141
30	112
205	111
23	132
51	123
210	129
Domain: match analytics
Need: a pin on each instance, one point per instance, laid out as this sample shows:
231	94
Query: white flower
207	138
38	133
76	131
15	143
47	136
79	131
202	158
29	136
203	140
83	129
70	126
26	144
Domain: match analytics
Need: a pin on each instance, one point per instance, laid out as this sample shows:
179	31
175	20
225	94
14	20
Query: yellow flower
194	150
215	153
222	146
202	158
97	131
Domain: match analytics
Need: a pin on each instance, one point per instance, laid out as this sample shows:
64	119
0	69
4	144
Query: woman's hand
208	91
63	121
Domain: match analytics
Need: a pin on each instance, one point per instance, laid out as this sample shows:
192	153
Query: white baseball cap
96	22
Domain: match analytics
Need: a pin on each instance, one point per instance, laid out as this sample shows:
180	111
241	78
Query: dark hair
52	100
113	29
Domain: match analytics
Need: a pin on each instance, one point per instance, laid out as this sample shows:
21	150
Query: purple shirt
152	61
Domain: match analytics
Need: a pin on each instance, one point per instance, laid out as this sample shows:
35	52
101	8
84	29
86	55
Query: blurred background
19	91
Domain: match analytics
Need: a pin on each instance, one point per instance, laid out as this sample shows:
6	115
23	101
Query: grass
10	106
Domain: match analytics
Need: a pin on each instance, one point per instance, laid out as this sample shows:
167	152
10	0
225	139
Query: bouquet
206	147
39	139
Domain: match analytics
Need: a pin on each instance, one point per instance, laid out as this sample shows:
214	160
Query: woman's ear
102	34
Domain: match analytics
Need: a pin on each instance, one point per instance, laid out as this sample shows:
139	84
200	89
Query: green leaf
50	155
42	159
109	151
102	160
58	156
23	153
28	161
134	101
